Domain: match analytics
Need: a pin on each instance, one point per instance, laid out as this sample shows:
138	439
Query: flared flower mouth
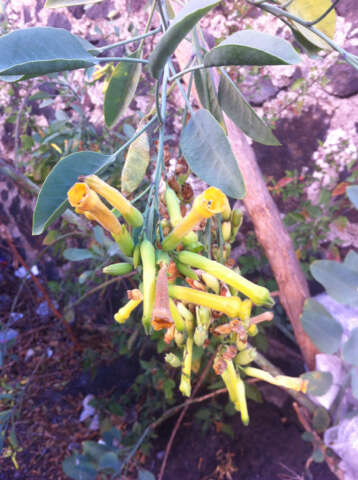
77	194
210	202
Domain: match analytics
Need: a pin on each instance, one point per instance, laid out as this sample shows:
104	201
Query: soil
54	385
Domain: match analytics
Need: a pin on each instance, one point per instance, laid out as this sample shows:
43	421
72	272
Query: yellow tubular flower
178	319
175	216
147	252
116	199
259	295
124	313
86	201
228	305
207	204
294	383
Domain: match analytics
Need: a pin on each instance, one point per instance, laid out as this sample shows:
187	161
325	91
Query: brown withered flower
161	316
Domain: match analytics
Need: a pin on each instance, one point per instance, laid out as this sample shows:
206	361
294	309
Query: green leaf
68	3
352	193
207	95
145	475
40	50
208	153
77	254
109	461
321	420
186	19
351	260
340	282
318	382
136	163
350	348
94	450
249	47
238	109
52	199
78	467
121	89
317	456
322	328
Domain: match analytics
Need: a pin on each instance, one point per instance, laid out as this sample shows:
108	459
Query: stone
299	136
77	12
99	10
343	78
58	20
258	89
347	9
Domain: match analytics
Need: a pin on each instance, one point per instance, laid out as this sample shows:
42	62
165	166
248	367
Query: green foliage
249	47
187	18
40	50
204	146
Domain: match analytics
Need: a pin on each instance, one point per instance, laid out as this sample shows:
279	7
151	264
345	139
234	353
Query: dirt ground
48	425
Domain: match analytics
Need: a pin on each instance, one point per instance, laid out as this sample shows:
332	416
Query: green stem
185	71
130	40
122	59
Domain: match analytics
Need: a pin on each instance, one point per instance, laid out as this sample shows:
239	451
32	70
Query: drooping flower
207	204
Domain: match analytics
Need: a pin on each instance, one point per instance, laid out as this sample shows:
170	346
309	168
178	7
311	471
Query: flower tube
147	252
116	199
259	295
175	216
294	383
207	204
124	313
161	316
228	305
85	200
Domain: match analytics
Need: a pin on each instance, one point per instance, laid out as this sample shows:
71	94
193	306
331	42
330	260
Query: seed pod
117	269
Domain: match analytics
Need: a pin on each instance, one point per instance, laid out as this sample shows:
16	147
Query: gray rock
258	89
99	10
58	20
347	8
343	78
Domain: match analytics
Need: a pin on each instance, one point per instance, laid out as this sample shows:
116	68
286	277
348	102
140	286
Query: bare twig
54	310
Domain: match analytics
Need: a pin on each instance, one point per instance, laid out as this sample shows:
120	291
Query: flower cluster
183	292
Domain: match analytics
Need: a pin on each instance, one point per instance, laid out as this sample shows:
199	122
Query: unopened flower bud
173	360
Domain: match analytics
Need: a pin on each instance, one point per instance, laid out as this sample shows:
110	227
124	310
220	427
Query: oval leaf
249	47
350	348
311	10
340	282
121	90
208	153
239	110
322	328
352	193
40	50
186	19
52	199
77	254
68	3
321	420
136	164
351	260
318	382
207	95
